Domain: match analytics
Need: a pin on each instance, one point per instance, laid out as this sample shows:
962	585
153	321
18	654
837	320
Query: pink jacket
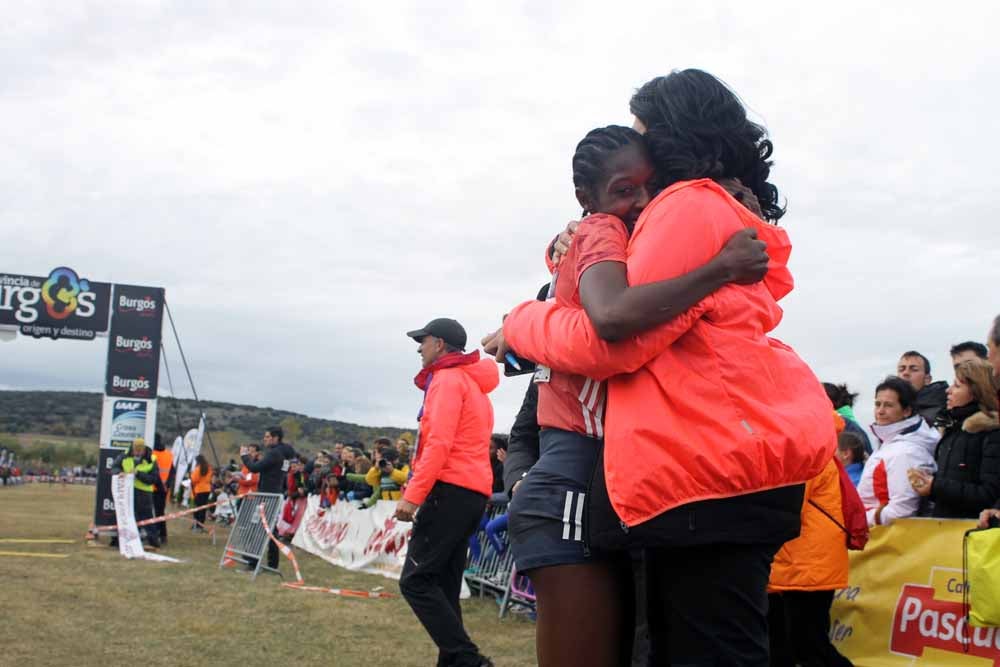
454	441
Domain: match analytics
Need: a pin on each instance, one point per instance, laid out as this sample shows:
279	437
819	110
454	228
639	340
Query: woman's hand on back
562	243
744	258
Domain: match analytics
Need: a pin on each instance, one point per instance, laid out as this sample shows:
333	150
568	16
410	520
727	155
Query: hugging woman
711	426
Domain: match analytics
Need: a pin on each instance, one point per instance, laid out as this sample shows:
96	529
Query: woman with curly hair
712	427
968	455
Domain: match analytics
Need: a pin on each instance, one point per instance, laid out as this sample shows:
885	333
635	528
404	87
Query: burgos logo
146	304
922	621
138	384
63	293
137	345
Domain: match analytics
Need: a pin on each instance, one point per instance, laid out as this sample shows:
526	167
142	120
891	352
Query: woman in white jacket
907	442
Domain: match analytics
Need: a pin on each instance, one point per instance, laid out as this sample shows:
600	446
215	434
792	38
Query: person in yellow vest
164	462
139	461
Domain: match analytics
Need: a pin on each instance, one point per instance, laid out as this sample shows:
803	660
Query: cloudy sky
309	182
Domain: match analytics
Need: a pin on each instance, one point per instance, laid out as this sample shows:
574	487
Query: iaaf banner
134	342
904	602
368	540
122	421
62	305
125	419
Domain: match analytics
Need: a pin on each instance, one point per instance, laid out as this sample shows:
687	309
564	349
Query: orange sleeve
601	238
565	340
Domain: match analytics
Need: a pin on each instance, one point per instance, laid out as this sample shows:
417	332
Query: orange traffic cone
228	560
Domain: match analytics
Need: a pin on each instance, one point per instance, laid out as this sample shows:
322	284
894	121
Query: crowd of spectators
11	475
351	472
937	446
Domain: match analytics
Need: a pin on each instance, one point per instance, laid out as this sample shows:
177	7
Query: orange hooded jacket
708	403
454	441
817	559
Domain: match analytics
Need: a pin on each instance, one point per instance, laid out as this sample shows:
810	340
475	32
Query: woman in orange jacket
201	488
712	427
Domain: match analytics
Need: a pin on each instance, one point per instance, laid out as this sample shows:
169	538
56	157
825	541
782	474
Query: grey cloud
308	183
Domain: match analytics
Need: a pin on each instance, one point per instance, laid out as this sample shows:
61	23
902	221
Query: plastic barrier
904	603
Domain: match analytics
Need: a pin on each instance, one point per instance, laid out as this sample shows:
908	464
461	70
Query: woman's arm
618	311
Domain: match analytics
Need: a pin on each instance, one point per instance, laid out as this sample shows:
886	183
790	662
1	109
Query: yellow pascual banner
904	602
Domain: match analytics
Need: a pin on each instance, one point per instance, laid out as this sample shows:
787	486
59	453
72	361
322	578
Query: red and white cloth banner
129	542
369	540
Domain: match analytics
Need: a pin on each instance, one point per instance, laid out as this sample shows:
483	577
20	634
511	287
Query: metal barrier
248	539
491	572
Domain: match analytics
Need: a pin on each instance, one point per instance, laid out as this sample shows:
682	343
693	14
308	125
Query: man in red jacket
452	479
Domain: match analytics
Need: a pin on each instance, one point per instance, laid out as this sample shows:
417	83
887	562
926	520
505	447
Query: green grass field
93	607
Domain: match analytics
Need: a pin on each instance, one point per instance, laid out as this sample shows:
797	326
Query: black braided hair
593	151
696	127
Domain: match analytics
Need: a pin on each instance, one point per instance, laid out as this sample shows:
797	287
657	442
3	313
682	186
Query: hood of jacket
912	429
484	373
779	279
981	422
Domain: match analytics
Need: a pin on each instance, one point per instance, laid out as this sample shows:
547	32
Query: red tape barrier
172	515
300	585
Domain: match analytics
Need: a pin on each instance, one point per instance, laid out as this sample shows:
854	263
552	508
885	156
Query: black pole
197	401
173	394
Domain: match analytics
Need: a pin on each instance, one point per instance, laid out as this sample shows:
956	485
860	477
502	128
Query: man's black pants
431	580
160	505
142	502
800	630
708	604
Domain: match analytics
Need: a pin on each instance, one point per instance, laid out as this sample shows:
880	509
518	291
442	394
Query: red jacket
248	481
454	441
709	404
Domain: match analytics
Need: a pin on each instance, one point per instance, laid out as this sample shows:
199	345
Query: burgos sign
63	305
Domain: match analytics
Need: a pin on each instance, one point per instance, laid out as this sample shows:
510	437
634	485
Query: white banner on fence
129	542
365	540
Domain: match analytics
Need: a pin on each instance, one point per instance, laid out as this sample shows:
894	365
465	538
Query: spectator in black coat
968	455
498	453
915	368
273	468
993	356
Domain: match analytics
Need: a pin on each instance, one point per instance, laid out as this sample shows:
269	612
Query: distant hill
78	414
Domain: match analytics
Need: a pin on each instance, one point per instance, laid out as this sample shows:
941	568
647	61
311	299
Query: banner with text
369	540
62	305
134	342
122	421
904	602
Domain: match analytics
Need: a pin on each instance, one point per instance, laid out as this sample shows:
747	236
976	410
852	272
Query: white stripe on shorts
567	512
580	497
